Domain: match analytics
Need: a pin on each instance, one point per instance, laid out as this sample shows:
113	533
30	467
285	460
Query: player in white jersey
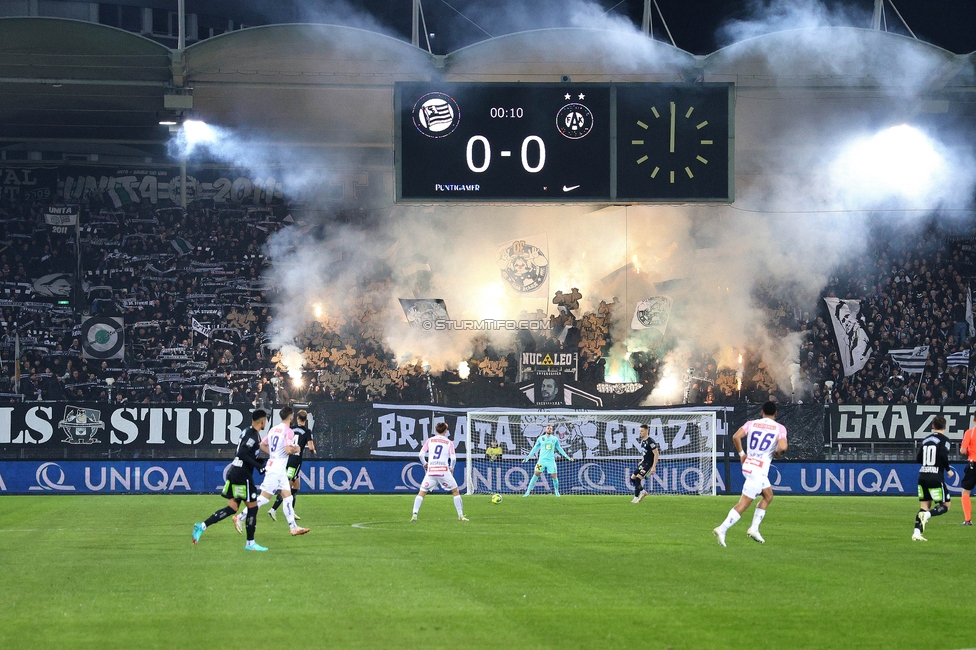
438	458
280	442
765	438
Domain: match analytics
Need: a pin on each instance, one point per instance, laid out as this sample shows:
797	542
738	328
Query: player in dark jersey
647	465
934	458
303	438
240	482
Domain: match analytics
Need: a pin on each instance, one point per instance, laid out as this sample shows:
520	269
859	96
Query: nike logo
569	189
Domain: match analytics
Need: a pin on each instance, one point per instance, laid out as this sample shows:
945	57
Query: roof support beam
53	81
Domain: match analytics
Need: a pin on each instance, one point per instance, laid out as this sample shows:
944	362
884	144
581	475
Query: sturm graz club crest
436	115
102	337
80	425
523	266
574	121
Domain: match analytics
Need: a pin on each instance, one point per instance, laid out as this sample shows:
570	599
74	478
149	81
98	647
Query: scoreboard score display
564	142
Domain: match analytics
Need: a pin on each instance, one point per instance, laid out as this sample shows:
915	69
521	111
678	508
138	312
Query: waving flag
911	361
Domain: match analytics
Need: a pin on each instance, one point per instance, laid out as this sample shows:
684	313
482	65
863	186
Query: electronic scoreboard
564	142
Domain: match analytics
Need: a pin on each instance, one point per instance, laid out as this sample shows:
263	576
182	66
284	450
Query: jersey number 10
928	455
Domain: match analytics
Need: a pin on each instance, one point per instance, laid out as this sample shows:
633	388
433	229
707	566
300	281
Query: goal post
603	446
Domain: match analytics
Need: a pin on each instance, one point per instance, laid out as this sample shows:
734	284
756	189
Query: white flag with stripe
960	358
911	360
852	337
969	313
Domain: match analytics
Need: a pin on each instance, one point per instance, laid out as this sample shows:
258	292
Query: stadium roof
330	86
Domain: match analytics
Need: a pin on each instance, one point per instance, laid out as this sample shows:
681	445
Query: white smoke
809	176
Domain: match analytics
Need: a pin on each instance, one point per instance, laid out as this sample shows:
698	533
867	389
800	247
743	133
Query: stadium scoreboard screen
564	142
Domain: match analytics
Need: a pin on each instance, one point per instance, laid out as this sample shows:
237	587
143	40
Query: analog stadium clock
674	142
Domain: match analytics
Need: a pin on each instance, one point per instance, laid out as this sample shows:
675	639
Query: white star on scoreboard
582	96
567	96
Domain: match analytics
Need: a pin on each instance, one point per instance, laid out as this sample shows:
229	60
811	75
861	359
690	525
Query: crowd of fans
912	292
190	288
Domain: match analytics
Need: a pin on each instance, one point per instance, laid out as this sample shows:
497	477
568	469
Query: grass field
578	572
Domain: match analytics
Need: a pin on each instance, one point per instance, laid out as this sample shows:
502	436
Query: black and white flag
969	313
852	337
911	360
200	328
960	358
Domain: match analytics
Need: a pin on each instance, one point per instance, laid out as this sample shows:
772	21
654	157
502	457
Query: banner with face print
852	337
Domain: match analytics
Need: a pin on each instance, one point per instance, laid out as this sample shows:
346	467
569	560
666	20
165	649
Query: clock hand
672	127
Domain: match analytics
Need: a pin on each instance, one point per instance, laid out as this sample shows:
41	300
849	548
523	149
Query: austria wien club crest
80	425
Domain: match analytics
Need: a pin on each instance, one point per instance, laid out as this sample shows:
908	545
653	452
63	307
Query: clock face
673	142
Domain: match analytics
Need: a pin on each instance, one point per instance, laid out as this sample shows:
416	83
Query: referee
303	439
968	449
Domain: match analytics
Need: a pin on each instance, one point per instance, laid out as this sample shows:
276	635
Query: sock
918	521
730	520
967	506
294	497
757	518
243	511
638	484
290	512
417	502
939	510
250	523
223	513
459	506
555	485
532	483
262	501
277	503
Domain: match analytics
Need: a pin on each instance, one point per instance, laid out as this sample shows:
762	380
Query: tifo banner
399	431
422	313
524	264
403	477
553	362
103	337
19	184
60	217
852	336
96	428
652	313
882	422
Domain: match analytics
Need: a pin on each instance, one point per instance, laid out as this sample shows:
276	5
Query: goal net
603	446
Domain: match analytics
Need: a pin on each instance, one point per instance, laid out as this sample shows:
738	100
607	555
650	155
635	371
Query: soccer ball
496	498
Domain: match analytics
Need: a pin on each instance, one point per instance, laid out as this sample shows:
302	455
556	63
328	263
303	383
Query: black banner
94	429
59	430
884	423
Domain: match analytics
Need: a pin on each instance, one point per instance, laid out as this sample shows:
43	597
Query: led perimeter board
564	142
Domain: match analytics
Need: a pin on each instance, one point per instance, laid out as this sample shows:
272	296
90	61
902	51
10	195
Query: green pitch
578	572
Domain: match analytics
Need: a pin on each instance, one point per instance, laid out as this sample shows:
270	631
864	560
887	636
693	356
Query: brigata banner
883	422
402	477
399	431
